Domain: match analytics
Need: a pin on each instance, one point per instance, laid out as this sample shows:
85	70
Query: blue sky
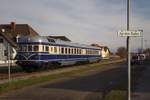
83	21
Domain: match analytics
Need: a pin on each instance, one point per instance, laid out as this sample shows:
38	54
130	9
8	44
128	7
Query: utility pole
145	44
142	44
128	51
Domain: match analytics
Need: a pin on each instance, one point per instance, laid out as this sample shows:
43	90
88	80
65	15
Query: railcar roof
44	39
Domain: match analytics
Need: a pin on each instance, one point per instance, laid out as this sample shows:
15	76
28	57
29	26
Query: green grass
27	82
12	85
116	95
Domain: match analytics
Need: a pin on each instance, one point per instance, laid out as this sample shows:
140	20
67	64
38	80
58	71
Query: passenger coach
41	51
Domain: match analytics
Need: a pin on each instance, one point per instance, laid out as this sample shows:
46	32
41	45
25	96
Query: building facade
8	39
104	51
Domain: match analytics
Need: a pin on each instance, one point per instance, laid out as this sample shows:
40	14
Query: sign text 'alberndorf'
129	33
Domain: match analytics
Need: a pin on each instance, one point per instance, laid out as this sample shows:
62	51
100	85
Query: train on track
41	51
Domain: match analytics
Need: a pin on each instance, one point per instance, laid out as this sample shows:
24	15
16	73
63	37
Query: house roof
104	47
64	38
12	30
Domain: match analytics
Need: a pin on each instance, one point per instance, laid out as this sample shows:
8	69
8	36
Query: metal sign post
8	62
128	33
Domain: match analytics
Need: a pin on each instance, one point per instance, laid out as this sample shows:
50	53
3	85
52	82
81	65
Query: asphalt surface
142	88
89	86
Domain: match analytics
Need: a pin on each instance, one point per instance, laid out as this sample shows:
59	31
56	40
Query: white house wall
3	49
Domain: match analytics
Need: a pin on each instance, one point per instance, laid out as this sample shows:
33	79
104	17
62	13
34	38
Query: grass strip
116	95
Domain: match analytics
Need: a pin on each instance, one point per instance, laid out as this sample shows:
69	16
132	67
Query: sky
82	21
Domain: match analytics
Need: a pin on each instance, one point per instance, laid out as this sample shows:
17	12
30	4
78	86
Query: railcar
41	51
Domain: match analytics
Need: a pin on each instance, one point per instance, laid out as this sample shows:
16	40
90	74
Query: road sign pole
128	51
8	62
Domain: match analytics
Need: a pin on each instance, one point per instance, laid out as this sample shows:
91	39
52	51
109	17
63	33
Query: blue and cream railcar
42	51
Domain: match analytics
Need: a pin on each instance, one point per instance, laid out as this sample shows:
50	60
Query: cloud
83	21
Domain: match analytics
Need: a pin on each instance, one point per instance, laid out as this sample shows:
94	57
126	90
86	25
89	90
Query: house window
1	41
24	48
5	53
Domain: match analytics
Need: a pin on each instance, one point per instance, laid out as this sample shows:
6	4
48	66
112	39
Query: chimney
13	26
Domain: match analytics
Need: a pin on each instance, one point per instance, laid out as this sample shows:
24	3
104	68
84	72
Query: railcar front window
69	50
30	48
24	48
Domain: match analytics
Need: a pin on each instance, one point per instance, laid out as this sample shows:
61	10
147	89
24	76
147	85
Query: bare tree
122	52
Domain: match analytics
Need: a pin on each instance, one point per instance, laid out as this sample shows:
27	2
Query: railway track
25	75
20	75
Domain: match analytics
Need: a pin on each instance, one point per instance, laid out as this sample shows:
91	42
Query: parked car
138	58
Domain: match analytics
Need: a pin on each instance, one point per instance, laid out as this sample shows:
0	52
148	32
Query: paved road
142	88
85	87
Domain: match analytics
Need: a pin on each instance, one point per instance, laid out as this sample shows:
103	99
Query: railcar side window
51	49
62	50
79	51
35	48
47	48
55	49
72	51
43	48
69	50
65	50
59	50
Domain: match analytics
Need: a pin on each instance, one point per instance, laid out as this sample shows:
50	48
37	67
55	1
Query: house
8	38
105	51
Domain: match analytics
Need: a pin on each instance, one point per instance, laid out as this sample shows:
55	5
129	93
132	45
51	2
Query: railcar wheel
55	65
